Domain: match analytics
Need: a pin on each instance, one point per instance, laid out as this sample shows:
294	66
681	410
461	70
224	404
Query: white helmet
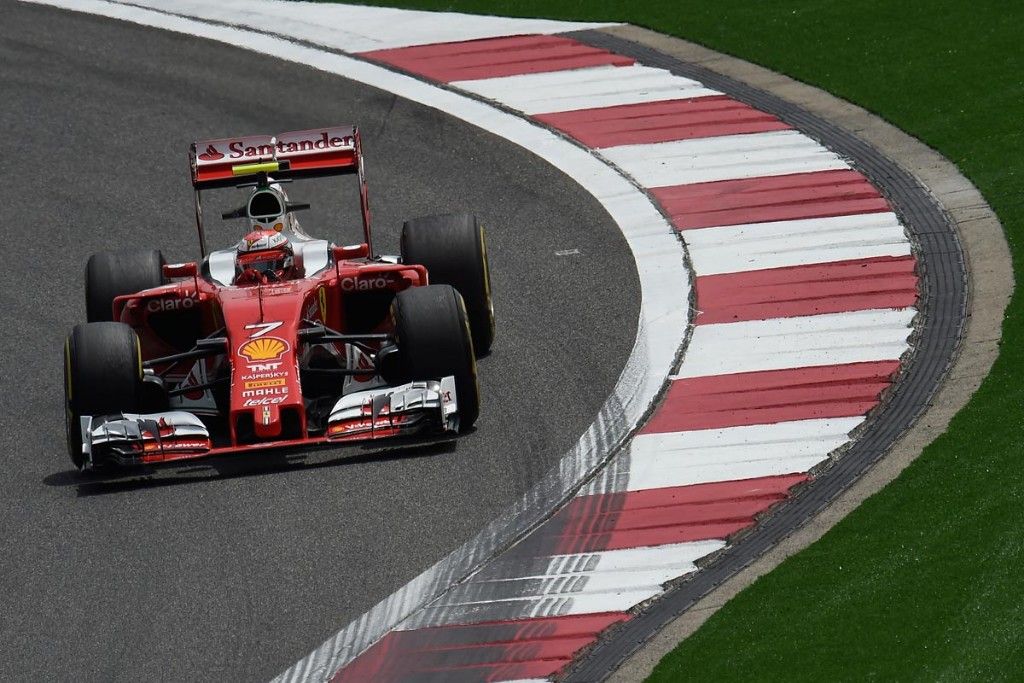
264	255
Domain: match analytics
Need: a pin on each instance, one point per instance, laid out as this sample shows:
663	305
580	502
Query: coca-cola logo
211	154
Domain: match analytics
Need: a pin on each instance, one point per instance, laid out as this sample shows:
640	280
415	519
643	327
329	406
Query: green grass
926	579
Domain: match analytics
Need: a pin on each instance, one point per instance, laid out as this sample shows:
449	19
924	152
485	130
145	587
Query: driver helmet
267	252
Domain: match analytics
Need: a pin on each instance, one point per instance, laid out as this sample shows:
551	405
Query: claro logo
159	305
358	284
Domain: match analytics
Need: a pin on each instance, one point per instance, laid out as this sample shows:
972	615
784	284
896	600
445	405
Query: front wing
129	439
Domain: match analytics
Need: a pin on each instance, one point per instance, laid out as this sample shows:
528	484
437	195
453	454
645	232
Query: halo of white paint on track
766	392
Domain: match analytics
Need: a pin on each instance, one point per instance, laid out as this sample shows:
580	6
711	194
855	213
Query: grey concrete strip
989	288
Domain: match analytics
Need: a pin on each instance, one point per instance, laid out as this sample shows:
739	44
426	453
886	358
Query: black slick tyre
432	332
102	376
110	274
454	250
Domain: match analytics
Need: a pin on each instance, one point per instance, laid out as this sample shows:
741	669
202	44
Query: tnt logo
263	367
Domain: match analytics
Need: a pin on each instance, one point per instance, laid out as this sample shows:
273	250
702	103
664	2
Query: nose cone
267	422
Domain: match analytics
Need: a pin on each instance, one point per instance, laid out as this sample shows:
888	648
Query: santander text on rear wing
316	152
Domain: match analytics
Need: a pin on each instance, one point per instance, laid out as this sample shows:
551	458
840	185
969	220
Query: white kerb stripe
805	341
564	585
599	86
781	244
734	453
528	608
356	28
677	557
726	157
633	575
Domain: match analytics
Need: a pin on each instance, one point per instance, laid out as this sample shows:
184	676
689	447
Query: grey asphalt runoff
234	573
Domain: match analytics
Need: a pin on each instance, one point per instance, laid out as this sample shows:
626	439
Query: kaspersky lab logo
211	154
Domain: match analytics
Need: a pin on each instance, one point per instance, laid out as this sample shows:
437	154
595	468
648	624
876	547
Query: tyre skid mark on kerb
804	389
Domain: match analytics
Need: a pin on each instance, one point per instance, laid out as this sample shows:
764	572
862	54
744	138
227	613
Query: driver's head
266	209
267	253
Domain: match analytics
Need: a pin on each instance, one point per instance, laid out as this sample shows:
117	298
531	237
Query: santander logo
290	144
211	154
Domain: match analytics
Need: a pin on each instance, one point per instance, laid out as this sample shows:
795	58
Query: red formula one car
283	339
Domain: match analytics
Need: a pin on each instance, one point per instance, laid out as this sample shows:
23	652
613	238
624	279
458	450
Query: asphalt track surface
233	573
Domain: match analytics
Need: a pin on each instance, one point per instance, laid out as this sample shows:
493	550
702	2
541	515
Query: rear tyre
110	274
432	332
454	250
102	376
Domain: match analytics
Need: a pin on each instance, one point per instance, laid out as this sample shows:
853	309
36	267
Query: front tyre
110	274
102	376
454	250
434	341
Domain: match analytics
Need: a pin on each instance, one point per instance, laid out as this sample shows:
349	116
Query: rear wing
317	152
299	154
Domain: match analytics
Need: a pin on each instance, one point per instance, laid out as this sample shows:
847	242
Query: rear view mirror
180	269
352	251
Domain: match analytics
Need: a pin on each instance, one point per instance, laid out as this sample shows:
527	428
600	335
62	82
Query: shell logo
264	348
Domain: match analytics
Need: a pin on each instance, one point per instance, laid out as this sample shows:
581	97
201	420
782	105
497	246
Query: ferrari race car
283	339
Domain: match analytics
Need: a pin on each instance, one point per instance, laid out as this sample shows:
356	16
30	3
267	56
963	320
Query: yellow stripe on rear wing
259	167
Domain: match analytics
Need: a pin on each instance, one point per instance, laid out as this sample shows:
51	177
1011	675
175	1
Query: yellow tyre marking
138	356
469	338
487	278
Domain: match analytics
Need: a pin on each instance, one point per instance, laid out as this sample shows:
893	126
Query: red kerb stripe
777	198
494	57
504	650
884	282
614	521
771	396
650	122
